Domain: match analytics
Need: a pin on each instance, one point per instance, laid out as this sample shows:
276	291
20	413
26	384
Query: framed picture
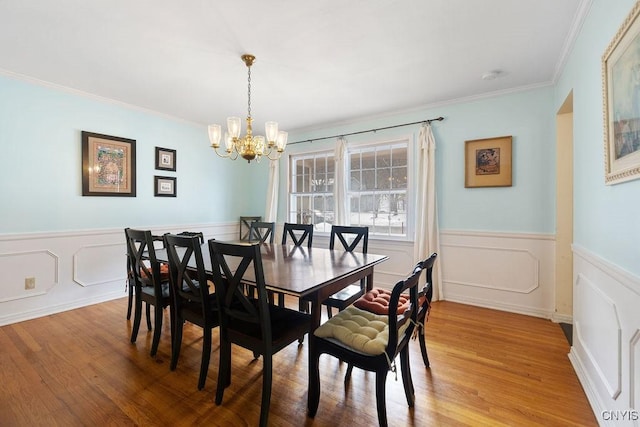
164	186
108	165
165	159
488	162
621	87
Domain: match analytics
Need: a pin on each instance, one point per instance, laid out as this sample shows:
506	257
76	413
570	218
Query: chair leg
407	382
329	313
158	314
130	302
224	370
176	342
423	348
137	317
148	316
347	375
381	381
206	355
267	374
313	396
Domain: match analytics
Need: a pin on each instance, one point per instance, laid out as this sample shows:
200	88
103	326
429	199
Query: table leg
313	392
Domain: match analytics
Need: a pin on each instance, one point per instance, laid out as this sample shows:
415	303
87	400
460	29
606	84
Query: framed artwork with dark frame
108	165
621	98
164	186
488	162
165	159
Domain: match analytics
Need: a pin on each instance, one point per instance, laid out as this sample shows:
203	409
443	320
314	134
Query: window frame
409	139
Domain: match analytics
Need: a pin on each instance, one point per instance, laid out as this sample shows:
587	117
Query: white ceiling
318	62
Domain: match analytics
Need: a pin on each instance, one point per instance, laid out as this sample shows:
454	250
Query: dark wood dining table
313	274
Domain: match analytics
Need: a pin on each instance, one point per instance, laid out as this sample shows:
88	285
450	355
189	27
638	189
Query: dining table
312	274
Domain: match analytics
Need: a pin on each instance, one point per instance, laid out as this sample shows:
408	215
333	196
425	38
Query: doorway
564	213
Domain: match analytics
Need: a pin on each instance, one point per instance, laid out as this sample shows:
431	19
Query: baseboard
495	305
49	310
597	406
562	318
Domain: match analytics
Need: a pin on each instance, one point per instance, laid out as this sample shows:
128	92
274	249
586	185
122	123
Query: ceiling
318	62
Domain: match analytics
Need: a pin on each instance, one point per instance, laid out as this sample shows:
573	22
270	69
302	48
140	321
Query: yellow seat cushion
360	330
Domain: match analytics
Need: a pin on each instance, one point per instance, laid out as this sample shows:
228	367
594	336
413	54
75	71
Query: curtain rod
437	119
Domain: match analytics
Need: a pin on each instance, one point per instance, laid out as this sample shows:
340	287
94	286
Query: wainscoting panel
16	267
599	333
505	271
606	343
99	264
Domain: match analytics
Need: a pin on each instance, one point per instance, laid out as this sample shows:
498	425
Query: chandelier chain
249	90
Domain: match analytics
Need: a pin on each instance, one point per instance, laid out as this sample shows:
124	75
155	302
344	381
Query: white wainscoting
503	271
606	336
71	269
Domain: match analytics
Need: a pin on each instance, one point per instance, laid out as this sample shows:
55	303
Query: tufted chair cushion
377	301
358	329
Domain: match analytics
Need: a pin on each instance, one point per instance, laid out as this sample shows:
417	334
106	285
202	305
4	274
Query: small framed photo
621	82
165	159
164	186
488	162
108	165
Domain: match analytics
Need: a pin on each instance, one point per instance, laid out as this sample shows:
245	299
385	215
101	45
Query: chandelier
249	146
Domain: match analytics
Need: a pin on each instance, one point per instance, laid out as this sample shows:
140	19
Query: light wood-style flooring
488	368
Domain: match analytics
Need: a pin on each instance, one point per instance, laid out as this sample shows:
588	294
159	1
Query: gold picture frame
487	162
108	165
621	98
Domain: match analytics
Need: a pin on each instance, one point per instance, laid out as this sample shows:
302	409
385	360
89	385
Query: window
311	190
377	188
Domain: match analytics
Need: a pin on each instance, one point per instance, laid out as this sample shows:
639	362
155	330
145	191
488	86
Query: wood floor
488	368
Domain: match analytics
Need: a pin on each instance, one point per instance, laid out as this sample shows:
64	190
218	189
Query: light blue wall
528	206
606	218
40	137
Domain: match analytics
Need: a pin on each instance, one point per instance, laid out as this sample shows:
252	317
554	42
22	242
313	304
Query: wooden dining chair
370	342
262	232
377	301
151	282
298	234
249	322
192	300
245	226
349	237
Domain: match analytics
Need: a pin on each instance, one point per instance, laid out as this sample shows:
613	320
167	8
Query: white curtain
340	184
271	211
427	234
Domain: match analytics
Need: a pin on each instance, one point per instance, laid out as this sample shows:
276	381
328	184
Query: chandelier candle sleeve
249	146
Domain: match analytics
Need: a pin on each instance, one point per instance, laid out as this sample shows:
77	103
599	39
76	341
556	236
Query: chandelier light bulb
215	132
